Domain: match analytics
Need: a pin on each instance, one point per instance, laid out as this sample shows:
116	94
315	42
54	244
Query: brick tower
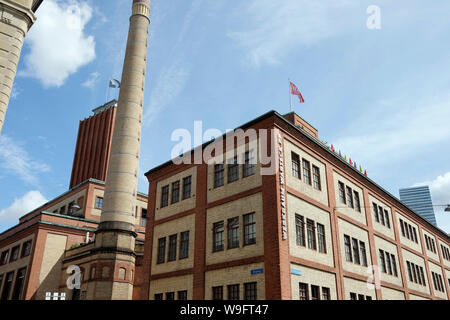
115	236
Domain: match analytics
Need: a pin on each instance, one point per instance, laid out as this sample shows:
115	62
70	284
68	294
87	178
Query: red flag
296	92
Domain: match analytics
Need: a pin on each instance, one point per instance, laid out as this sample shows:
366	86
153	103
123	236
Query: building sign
296	272
282	188
257	271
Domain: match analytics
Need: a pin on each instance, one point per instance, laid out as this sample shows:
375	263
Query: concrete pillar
16	18
115	236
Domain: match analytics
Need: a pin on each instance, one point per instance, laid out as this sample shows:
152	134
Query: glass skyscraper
419	200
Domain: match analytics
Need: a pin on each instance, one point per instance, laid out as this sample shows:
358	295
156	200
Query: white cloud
21	206
15	159
58	43
275	28
92	80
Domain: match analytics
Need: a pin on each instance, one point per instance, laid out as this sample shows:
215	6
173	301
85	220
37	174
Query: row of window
248	169
355	296
430	243
311	234
181	295
233	292
415	273
310	179
408	231
175	195
8	285
445	252
349	197
304	293
381	215
233	233
62	210
173	244
358	248
437	281
387	263
26	250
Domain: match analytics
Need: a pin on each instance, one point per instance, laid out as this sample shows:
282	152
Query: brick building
220	229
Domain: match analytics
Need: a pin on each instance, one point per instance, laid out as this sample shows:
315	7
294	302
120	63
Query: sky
380	95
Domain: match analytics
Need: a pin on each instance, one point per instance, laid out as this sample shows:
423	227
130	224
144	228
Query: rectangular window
161	250
352	296
143	217
250	292
182	295
217	293
386	217
170	296
375	211
321	238
18	286
382	261
233	170
233	233
26	249
316	178
175	192
433	275
360	297
415	272
249	229
362	249
402	227
15	253
172	248
99	203
233	292
348	249
218	236
303	291
368	298
164	196
62	210
409	271
158	296
394	265
249	166
349	197
300	230
341	192
326	293
187	183
388	263
380	211
355	251
311	232
315	292
415	236
184	245
306	171
357	202
7	286
295	165
423	276
4	257
218	175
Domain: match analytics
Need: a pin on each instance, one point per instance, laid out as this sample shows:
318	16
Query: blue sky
380	96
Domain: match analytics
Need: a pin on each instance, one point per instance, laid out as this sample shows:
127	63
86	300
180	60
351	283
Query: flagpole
107	92
290	96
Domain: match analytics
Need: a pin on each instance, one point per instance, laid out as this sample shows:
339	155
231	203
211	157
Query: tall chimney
115	235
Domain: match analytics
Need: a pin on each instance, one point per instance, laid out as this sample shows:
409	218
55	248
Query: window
249	229
18	287
4	257
218	237
249	167
321	238
7	286
250	292
394	265
375	212
303	291
295	165
233	233
158	296
423	276
164	196
415	236
326	293
182	295
306	171
352	296
15	253
175	192
143	217
349	197
348	249
99	203
315	292
386	217
311	232
362	248
300	230
233	170
218	175
316	178
360	297
411	237
355	251
187	187
388	263
368	298
380	211
341	192
161	250
170	296
62	210
409	271
233	292
382	261
357	202
184	245
26	249
172	248
217	293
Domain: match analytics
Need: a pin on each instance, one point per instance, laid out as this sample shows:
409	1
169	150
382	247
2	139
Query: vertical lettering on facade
282	189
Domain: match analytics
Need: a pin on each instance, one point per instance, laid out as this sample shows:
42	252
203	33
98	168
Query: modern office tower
419	200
